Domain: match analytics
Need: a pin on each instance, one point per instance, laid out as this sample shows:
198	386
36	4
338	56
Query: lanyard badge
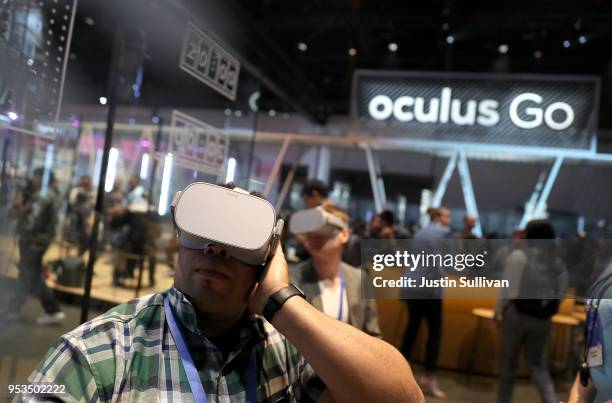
594	356
342	286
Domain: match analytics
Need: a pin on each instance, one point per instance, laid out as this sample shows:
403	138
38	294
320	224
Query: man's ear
177	270
253	287
345	234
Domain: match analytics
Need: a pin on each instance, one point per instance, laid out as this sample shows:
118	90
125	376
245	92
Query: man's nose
217	250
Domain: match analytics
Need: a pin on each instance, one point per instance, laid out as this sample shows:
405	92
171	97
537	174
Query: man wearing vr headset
205	338
331	285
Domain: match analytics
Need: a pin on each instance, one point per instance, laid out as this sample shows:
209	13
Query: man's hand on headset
274	277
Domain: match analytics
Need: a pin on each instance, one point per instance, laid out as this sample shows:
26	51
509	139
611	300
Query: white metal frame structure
457	153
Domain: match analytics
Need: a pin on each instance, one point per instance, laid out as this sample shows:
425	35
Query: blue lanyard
341	293
197	389
593	307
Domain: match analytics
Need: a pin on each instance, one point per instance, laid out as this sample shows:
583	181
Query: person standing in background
84	186
131	221
382	226
315	193
428	305
469	223
136	193
533	271
80	214
80	222
37	220
116	196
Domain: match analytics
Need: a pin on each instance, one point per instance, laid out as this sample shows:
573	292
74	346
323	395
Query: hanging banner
516	110
206	60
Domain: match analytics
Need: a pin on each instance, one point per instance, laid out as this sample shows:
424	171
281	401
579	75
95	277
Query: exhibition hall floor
102	288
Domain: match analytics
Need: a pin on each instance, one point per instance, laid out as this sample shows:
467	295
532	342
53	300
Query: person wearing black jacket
534	272
37	220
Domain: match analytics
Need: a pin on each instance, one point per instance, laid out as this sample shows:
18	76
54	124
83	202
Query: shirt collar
186	313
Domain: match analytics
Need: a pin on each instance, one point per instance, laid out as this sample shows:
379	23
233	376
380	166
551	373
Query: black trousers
431	311
31	280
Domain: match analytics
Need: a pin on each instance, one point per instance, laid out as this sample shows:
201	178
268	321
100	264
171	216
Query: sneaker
51	318
429	385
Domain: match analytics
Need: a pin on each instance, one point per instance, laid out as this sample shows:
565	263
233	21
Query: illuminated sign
540	111
206	60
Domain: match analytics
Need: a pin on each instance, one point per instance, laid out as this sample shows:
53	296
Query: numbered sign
205	59
197	145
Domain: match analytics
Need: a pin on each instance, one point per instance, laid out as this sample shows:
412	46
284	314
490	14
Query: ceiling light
582	39
352	52
393	47
566	44
445	26
90	21
302	46
450	39
12	116
537	54
503	48
272	113
103	100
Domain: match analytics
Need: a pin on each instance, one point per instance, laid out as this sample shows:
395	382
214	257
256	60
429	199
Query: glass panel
108	109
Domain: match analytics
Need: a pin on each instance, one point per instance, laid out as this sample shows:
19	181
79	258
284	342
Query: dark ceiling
552	37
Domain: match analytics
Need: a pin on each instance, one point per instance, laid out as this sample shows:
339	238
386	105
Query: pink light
75	123
145	143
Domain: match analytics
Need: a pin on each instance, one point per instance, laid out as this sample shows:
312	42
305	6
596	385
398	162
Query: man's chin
210	290
204	291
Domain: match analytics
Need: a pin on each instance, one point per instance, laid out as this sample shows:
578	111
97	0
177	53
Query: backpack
539	275
539	308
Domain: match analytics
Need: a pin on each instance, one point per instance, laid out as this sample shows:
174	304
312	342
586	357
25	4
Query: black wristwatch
276	300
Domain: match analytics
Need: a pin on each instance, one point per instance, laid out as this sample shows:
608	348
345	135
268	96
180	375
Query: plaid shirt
128	354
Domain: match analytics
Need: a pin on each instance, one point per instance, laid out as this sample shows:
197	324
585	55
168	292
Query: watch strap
276	300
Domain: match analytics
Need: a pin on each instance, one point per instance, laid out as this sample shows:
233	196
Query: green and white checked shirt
128	355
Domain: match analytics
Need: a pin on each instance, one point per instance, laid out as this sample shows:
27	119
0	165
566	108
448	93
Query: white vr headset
245	225
315	220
